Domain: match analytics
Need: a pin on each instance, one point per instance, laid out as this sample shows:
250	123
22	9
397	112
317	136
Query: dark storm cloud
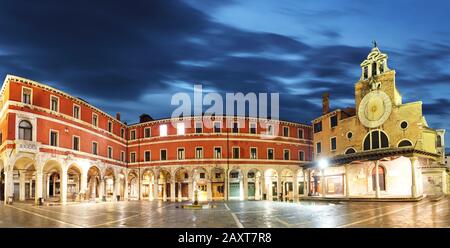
438	108
117	52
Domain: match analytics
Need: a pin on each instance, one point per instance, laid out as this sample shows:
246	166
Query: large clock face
374	109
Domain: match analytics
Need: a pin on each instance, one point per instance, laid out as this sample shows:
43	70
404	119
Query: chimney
145	118
118	116
325	103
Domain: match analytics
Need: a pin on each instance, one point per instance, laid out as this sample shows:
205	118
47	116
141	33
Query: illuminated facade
60	148
382	148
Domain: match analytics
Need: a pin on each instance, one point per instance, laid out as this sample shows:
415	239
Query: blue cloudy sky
132	56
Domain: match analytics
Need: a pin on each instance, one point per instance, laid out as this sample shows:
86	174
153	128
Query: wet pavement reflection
231	214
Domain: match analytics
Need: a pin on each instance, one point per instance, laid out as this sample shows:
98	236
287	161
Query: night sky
132	56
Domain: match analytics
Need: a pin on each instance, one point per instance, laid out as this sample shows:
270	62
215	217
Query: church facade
382	148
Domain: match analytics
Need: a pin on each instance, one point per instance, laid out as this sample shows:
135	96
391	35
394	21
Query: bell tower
375	64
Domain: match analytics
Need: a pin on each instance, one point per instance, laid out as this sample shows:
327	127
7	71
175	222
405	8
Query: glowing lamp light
323	163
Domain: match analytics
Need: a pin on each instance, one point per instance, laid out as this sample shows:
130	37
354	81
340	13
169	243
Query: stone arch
235	184
271	184
56	181
109	179
254	184
182	176
148	181
371	176
94	177
163	190
287	184
74	174
133	185
217	177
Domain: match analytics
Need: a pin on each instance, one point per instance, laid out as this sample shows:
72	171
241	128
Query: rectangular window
163	155
217	127
286	154
253	128
270	130
199	152
95	148
236	153
132	134
286	131
53	138
76	143
147	132
54	103
26	95
132	157
76	111
122	156
217	152
333	121
318	147
235	127
180	153
122	133
253	153
218	175
198	127
333	143
270	154
180	128
95	120
300	133
251	175
366	72
318	127
147	156
163	130
202	175
301	155
110	152
110	126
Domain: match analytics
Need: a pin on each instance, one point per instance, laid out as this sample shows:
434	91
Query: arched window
374	69
438	141
25	130
381	178
350	151
404	143
375	140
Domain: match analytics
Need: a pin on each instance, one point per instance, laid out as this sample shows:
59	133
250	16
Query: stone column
191	191
347	185
39	185
322	180
9	184
54	185
263	186
245	185
63	185
225	186
295	187
47	185
257	189
101	190
22	175
279	182
172	191
413	177
164	190
307	181
377	180
139	181
84	184
116	188
179	193
209	190
155	189
125	190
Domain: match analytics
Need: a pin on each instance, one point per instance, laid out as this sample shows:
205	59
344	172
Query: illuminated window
180	128
25	130
163	130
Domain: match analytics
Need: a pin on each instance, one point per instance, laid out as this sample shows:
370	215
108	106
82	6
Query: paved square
231	214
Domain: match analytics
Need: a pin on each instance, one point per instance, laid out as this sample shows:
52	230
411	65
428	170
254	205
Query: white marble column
347	185
9	184
180	197
116	188
263	186
257	189
172	191
125	189
279	182
155	189
22	175
377	180
245	185
413	177
84	184
101	190
209	190
295	186
63	186
164	190
39	186
322	180
191	190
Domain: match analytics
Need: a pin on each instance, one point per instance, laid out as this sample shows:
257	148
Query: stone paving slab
232	214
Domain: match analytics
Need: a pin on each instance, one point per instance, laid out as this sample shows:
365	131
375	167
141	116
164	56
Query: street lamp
323	163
